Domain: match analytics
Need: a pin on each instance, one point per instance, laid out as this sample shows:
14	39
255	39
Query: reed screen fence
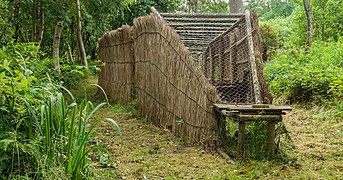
178	66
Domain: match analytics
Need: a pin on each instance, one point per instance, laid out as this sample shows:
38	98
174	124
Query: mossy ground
148	152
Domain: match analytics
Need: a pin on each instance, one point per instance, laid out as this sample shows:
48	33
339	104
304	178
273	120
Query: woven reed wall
171	91
151	60
117	76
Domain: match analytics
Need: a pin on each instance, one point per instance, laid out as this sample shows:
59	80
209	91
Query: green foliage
66	133
255	139
6	29
142	8
328	18
292	29
313	76
271	9
215	6
270	40
40	133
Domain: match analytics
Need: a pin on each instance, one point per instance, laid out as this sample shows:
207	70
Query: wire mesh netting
226	64
220	45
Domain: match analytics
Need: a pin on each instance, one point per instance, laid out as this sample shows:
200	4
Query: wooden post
241	139
271	139
256	84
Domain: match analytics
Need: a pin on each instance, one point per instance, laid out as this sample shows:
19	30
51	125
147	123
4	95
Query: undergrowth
313	76
42	135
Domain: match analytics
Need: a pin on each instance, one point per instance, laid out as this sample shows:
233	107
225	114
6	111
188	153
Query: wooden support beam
244	113
241	140
221	29
198	32
269	118
271	139
181	24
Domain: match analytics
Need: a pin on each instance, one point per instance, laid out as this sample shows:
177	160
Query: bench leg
241	139
271	139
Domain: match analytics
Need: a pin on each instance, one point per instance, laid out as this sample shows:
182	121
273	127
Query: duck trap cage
227	49
186	68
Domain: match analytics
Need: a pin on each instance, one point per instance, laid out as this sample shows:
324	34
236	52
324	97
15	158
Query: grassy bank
146	152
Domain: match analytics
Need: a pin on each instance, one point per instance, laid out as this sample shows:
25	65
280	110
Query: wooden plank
269	118
204	36
256	82
201	28
198	32
251	108
198	43
201	24
195	38
195	49
260	105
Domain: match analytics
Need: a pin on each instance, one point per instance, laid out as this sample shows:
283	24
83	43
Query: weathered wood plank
201	24
271	139
241	140
269	118
202	28
198	31
251	108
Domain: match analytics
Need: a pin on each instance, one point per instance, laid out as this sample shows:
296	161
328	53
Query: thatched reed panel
116	77
170	89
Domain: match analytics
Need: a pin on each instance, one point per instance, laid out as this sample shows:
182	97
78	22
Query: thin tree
79	36
309	16
56	45
38	14
236	6
42	22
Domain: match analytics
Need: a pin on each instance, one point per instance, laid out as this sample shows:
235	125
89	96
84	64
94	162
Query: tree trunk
16	7
56	45
309	16
79	35
236	6
77	51
33	22
70	54
42	22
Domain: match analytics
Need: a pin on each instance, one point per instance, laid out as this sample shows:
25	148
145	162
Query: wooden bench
245	113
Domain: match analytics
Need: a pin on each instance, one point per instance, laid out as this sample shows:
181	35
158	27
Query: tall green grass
66	129
42	135
55	136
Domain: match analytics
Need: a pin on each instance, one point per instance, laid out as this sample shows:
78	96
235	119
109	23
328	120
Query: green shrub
314	76
270	41
40	133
